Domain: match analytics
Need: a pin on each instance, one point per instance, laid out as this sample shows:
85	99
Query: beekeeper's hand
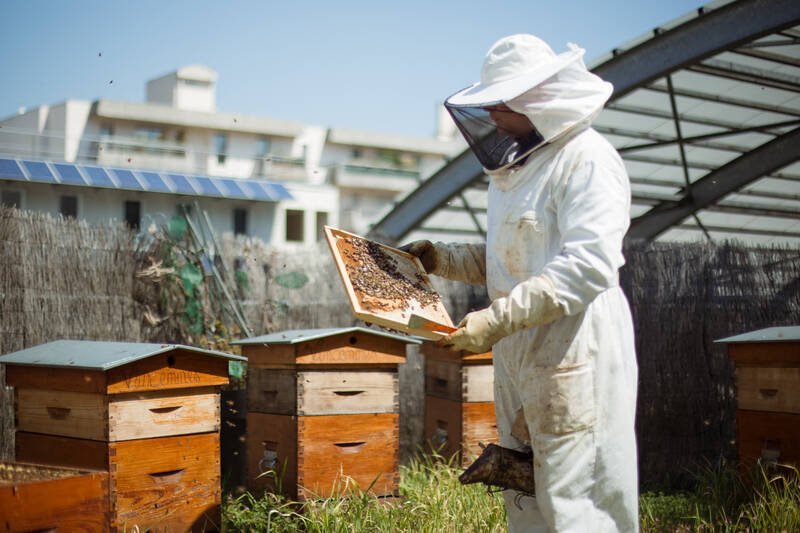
477	332
530	303
426	252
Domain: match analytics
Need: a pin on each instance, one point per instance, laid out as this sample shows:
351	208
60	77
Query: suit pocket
562	399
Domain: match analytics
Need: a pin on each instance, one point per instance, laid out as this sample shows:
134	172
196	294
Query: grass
432	500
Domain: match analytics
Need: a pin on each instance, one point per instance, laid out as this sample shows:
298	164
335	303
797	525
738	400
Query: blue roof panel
233	188
98	177
256	191
154	182
207	186
126	179
39	171
181	184
10	169
69	174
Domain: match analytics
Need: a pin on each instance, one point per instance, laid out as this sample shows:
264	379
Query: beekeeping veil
554	91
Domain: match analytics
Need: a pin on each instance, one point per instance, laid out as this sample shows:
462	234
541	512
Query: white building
277	180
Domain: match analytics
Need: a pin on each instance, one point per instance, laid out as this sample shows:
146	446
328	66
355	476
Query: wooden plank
69	500
271	391
83	415
433	351
765	352
768	388
149	414
63	379
331	449
177	369
355	348
167	483
272	447
376	308
770	436
479	426
478	383
269	356
61	451
443	425
346	392
443	379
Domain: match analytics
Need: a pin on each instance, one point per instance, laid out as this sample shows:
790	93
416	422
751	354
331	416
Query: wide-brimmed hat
512	66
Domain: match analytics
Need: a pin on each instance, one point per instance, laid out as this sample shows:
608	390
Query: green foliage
291	280
433	501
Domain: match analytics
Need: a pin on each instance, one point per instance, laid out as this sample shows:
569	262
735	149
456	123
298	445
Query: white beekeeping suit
559	325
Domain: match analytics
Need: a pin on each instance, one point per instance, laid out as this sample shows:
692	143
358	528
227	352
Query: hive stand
459	402
322	408
768	402
148	414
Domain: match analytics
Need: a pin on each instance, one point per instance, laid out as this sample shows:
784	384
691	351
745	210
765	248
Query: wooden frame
409	267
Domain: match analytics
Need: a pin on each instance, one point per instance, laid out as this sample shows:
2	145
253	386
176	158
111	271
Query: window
240	221
262	146
133	214
355	153
195	83
322	221
294	225
68	206
11	199
221	144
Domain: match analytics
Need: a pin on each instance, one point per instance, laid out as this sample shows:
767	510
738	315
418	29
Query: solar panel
126	179
69	174
207	186
39	171
234	190
98	177
10	169
182	185
276	191
154	182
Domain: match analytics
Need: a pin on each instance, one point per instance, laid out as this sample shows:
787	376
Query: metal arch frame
668	51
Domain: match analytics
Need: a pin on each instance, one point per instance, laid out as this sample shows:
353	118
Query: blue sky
376	66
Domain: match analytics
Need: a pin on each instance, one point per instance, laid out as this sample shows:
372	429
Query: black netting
493	148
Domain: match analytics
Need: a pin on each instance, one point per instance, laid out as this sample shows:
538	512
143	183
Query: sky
381	66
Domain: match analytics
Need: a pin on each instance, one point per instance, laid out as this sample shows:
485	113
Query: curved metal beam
710	33
768	157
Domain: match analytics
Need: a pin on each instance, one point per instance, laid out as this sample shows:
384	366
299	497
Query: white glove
456	261
530	303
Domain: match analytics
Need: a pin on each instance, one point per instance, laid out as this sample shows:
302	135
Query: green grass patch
432	500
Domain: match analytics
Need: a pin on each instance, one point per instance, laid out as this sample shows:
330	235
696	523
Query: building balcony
380	178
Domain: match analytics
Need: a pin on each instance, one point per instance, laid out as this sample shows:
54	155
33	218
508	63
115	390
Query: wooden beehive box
768	394
148	414
45	498
386	286
459	401
322	408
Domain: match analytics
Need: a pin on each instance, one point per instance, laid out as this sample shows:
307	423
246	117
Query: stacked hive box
768	383
322	407
41	498
459	401
148	414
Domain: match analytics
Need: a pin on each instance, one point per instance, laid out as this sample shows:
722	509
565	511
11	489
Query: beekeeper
559	325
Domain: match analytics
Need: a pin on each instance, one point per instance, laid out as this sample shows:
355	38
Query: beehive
41	498
148	414
322	408
459	401
768	394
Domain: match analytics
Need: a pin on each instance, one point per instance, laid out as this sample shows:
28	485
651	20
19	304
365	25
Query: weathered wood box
148	414
459	402
768	387
323	411
45	498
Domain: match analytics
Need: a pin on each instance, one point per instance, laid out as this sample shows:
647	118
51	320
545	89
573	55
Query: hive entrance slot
350	447
347	392
167	477
58	413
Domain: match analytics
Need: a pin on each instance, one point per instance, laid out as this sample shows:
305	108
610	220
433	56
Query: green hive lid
294	336
776	334
97	355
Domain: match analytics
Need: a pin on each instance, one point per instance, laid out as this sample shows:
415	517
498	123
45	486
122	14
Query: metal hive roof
706	114
295	336
97	355
775	334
